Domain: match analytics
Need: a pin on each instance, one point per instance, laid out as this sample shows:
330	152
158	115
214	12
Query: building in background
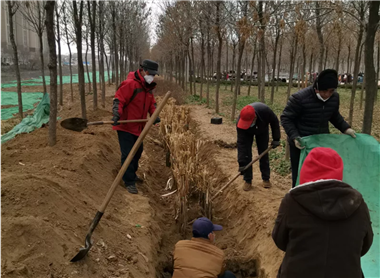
26	39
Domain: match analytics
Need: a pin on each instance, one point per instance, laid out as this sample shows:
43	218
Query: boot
267	184
131	188
247	186
138	179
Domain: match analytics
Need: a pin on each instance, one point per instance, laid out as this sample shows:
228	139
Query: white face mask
253	123
148	78
321	98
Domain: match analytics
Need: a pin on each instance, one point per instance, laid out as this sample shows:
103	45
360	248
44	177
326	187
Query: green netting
361	158
65	80
30	123
10	98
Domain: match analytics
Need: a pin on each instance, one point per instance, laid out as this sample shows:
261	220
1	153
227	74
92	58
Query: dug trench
51	194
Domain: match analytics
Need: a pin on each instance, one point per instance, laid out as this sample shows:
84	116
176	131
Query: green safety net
32	122
65	80
361	158
11	98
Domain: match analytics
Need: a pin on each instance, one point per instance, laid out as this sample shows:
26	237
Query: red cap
247	116
321	164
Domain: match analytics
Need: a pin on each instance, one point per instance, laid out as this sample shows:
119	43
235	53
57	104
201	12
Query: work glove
115	119
297	143
275	144
350	132
158	120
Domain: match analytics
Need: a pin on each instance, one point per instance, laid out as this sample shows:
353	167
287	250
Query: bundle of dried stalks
189	161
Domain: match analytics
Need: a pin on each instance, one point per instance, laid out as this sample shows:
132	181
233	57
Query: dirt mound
51	194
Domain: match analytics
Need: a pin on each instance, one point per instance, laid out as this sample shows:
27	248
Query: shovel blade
81	254
75	124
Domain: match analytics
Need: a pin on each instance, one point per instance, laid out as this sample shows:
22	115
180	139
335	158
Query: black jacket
265	117
324	227
306	115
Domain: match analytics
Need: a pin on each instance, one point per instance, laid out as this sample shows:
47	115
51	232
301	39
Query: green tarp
11	98
361	158
65	80
32	122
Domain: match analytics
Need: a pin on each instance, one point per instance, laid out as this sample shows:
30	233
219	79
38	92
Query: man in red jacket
134	100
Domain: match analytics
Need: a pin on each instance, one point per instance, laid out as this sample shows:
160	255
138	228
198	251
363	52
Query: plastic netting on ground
32	122
361	158
11	98
65	80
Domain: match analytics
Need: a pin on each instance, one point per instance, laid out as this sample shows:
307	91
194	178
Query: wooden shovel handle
133	152
120	122
238	174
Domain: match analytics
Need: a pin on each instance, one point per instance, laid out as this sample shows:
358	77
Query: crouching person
323	224
199	257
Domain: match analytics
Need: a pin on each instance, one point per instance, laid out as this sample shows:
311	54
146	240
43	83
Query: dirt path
248	217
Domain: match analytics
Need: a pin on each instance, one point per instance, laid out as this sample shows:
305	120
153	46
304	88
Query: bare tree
370	73
34	13
49	23
78	17
12	9
68	42
59	55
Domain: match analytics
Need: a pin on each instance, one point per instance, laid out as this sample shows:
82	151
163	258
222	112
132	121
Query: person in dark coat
134	100
254	121
323	224
309	112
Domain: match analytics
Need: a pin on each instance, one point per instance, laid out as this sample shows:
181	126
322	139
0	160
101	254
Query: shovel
79	124
238	174
88	242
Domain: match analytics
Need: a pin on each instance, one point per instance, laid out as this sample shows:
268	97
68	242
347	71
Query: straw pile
189	162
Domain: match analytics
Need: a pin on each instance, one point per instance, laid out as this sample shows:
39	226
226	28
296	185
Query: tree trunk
88	72
108	67
237	79
218	65
11	13
208	67
348	59
191	75
356	72
202	64
327	52
193	62
49	23
92	18
225	87
70	55
233	64
338	54
292	60
362	92
311	69
42	61
59	59
78	32
370	74
303	68
252	64
279	64
116	57
101	43
320	36
274	65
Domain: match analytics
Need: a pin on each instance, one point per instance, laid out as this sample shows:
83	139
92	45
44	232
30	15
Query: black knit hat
327	79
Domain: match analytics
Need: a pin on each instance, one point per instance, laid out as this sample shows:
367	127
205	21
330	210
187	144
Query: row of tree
269	37
115	31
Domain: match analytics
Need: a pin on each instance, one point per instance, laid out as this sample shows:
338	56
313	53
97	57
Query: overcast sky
156	11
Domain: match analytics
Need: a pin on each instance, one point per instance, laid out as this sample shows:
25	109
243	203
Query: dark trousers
126	141
227	274
244	144
294	160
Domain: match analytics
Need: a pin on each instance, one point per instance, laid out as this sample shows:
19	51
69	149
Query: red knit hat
247	116
321	164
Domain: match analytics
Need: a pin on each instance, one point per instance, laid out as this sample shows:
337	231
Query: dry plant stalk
188	159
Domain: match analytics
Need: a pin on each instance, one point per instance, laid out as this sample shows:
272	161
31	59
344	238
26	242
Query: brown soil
51	194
